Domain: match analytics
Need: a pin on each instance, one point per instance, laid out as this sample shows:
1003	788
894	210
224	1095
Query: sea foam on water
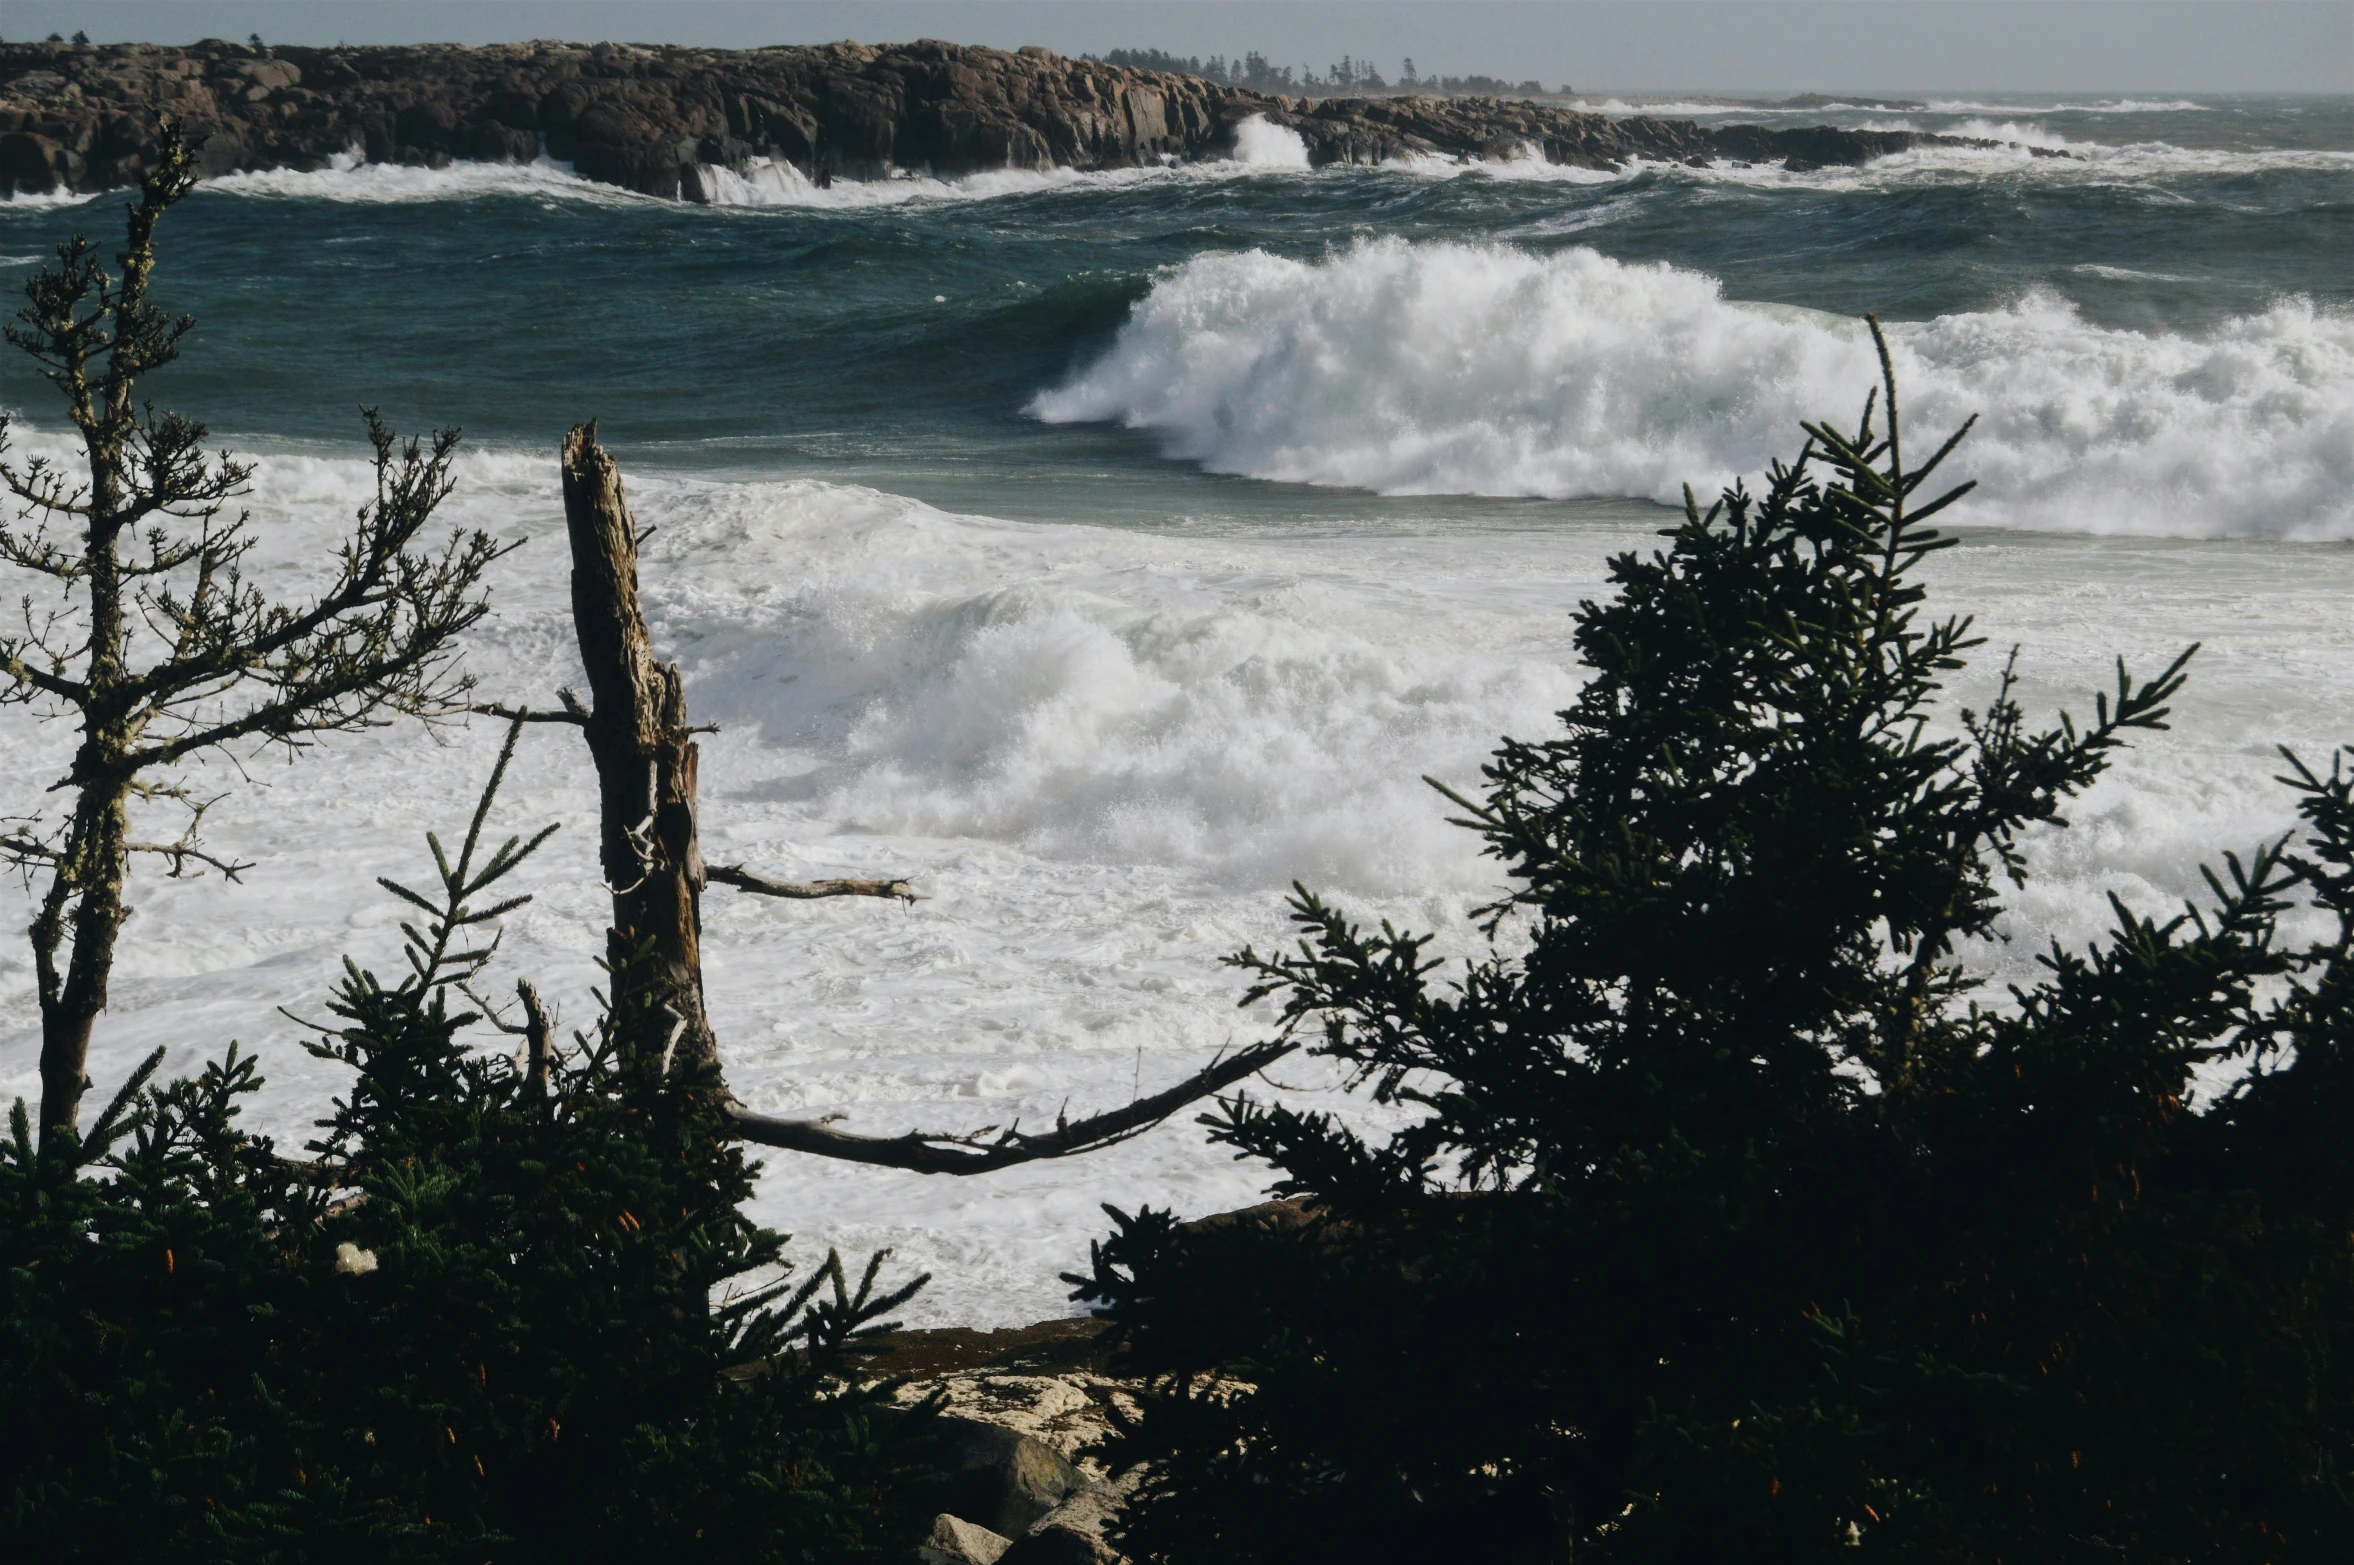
1102	755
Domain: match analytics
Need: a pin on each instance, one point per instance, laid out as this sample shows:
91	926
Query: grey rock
955	1541
1000	1478
1073	1533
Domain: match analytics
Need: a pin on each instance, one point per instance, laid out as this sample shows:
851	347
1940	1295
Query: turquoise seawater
847	334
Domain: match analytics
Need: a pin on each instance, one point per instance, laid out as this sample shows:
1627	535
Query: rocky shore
663	121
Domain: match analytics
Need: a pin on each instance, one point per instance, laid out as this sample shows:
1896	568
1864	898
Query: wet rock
31	163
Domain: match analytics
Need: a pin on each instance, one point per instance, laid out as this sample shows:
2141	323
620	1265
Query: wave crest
1449	368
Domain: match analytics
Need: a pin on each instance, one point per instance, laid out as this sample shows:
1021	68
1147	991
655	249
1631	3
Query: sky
1592	45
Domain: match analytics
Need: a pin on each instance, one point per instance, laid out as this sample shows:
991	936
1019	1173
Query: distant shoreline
666	121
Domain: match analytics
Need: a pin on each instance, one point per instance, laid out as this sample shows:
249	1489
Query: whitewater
1103	554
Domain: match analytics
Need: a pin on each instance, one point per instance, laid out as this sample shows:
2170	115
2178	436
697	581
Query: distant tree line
1256	72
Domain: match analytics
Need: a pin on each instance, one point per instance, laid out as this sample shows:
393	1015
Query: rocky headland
85	117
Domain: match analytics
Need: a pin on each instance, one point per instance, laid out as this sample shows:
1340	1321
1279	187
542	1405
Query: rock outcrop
664	121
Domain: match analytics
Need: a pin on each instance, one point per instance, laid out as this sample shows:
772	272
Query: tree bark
90	867
645	762
83	913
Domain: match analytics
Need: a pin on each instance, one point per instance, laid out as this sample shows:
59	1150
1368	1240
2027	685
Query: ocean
1107	552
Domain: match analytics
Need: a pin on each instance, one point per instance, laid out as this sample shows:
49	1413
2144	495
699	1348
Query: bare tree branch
521	714
180	853
19	848
806	890
926	1152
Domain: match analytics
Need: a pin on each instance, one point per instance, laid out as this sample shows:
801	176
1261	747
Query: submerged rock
669	121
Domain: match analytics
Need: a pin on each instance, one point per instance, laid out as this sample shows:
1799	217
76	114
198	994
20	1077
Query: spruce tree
1739	1219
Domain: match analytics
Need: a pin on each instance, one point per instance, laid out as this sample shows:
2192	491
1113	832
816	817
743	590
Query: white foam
2010	132
348	179
1449	368
767	183
1676	109
58	196
2106	106
1101	753
2125	274
1260	147
1258	143
1527	164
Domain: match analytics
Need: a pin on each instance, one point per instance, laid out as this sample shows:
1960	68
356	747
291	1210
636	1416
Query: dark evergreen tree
514	1312
1740	1221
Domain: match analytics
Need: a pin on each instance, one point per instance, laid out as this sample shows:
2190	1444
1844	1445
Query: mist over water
1106	552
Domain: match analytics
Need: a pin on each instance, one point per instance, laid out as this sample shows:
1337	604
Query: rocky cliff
660	120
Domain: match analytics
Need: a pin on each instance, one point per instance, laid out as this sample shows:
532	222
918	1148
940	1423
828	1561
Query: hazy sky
1632	45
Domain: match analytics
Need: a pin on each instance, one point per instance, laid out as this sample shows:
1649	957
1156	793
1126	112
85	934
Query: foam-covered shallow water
1105	552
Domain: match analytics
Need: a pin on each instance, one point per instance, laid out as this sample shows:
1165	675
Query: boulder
955	1541
1074	1532
1001	1476
998	1477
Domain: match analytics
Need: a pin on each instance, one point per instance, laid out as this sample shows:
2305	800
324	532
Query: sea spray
1426	368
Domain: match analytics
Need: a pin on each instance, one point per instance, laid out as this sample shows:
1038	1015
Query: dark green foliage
1741	1222
528	1326
144	1328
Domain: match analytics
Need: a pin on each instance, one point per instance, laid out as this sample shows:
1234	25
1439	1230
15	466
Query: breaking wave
1259	148
1477	369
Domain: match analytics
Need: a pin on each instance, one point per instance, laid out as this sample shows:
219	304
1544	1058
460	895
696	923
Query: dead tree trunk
637	734
646	761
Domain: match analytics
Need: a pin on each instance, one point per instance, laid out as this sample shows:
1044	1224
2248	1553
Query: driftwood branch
806	890
934	1153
